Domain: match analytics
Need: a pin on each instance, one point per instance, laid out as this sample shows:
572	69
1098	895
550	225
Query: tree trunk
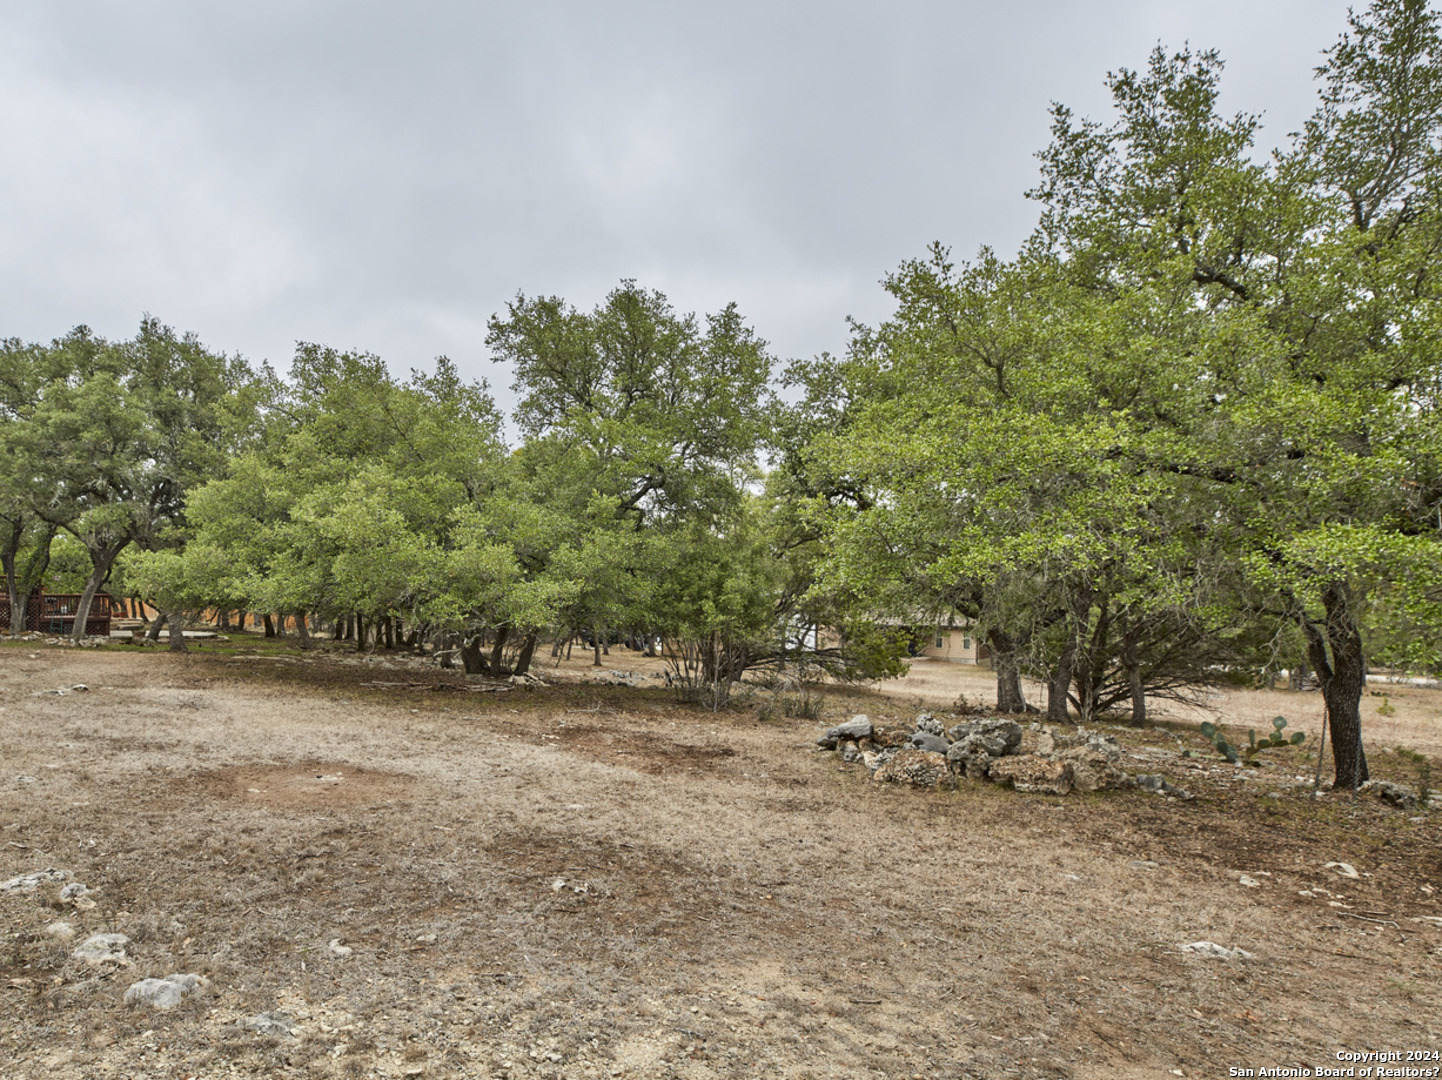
390	628
1009	698
302	629
12	588
269	625
1060	682
177	631
498	651
1335	649
1132	665
101	560
30	578
523	658
596	646
473	658
153	634
338	634
362	628
222	621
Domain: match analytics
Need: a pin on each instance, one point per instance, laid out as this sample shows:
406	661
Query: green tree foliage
1202	398
106	439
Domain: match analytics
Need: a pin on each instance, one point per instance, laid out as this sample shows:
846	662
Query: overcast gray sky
385	176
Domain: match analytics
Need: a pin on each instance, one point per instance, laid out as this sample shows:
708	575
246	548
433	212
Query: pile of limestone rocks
1040	759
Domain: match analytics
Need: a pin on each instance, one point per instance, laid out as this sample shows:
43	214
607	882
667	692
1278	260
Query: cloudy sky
385	176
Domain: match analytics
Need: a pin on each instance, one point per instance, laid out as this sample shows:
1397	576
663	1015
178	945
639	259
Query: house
954	644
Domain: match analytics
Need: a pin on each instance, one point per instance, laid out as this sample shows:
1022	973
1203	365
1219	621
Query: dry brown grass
593	875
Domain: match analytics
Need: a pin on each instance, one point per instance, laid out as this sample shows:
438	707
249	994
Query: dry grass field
586	880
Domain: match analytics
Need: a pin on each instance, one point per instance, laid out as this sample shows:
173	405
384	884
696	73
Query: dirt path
587	881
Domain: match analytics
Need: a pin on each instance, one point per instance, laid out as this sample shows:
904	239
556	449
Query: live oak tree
116	433
1203	396
640	423
1316	276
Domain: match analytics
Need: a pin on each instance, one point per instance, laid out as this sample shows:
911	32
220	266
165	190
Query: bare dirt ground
586	880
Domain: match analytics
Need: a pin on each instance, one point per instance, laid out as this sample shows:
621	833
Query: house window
940	642
966	643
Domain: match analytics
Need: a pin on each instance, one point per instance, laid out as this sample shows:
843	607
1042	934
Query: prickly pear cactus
1213	735
1275	738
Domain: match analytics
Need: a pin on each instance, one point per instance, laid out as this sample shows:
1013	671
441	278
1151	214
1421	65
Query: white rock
337	949
103	949
270	1023
1215	951
163	993
61	929
1345	869
31	882
1249	882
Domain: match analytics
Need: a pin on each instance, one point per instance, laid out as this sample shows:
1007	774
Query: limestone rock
1159	785
164	993
930	725
1093	770
1404	798
858	727
934	743
103	949
269	1023
996	736
920	768
891	737
969	758
1030	772
31	882
1214	951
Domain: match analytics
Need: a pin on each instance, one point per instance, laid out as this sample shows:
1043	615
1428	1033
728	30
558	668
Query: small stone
103	949
1404	798
1143	864
1249	882
31	882
1214	951
163	993
74	892
269	1023
61	929
339	950
1347	870
1159	785
80	688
